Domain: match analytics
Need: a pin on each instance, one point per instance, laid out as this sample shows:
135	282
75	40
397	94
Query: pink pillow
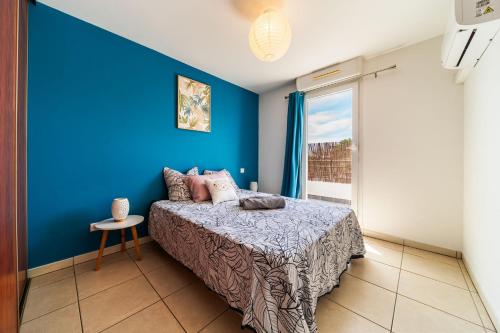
198	188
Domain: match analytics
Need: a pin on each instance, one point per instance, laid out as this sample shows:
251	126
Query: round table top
111	224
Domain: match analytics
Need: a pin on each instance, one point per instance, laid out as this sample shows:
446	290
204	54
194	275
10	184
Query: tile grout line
421	256
176	291
217	317
150	305
51	282
381	262
473	301
77	296
397	293
392	291
157	268
181	288
433	260
161	299
372	283
451	314
118	284
397	290
443	311
45	314
132	314
406	270
173	315
465	272
357	314
115	285
449	284
141	273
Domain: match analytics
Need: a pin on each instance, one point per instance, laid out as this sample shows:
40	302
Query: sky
330	117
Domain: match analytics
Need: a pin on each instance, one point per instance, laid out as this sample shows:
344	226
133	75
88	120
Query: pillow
221	190
197	187
177	189
224	171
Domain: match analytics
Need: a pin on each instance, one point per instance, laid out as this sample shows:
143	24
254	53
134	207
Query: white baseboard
410	243
53	266
68	262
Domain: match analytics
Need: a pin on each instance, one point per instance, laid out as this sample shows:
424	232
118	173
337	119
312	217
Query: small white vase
254	186
119	209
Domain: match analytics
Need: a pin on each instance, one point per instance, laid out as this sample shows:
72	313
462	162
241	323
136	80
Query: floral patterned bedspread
270	264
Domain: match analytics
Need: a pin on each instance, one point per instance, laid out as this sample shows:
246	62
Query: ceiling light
270	36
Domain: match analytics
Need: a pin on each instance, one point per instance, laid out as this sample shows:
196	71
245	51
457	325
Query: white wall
272	136
411	147
482	177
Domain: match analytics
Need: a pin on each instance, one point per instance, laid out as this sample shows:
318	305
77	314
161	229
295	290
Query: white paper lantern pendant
270	36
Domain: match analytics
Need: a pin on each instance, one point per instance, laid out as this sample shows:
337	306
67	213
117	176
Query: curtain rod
374	73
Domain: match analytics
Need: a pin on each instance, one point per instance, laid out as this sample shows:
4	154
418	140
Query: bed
272	265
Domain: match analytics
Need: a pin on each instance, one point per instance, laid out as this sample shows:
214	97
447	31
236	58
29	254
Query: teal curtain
291	185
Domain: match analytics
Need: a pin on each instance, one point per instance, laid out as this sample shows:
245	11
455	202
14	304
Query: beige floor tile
431	255
52	277
49	298
65	320
485	318
228	322
434	269
111	306
414	317
379	251
453	300
88	266
169	278
378	242
91	282
332	317
195	306
366	299
382	275
153	256
468	280
156	318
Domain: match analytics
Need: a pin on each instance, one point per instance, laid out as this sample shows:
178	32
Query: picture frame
193	105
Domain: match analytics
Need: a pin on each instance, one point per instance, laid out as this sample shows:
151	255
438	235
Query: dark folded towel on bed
270	202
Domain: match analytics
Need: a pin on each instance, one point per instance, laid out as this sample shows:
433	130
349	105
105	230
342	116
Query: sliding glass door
330	166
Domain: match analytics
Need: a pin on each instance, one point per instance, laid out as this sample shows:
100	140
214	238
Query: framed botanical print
193	105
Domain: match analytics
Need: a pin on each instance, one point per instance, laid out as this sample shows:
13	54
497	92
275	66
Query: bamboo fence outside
330	162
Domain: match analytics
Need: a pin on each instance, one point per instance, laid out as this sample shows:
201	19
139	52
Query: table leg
136	243
123	240
104	237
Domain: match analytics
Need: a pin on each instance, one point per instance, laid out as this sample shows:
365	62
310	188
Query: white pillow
221	190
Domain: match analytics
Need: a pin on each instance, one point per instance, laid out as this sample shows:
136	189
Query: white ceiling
212	35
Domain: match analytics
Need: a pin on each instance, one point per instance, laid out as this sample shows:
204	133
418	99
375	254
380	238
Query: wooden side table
110	224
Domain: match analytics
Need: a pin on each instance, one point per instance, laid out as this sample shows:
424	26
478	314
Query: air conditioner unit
341	72
473	24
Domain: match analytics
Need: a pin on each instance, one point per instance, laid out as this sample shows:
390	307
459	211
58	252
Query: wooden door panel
22	252
8	74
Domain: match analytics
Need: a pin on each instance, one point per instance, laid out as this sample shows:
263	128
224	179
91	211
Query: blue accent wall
102	124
